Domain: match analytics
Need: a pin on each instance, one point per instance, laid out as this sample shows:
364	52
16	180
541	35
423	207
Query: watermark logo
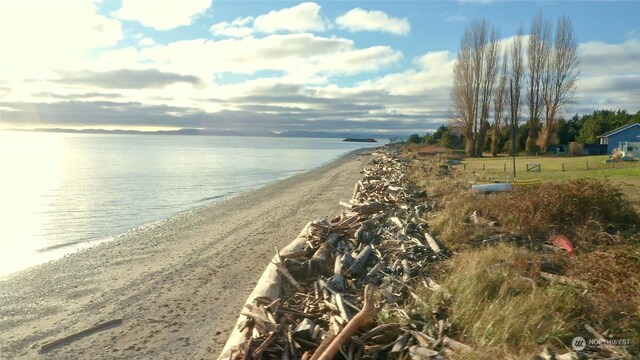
578	343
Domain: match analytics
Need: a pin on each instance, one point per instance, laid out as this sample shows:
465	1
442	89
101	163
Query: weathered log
378	330
370	208
360	260
265	344
433	244
406	271
400	343
261	320
421	353
336	282
80	334
304	330
362	318
320	260
356	189
423	339
396	222
340	304
457	346
277	261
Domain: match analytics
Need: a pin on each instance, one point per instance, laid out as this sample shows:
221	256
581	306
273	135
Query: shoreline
177	283
59	251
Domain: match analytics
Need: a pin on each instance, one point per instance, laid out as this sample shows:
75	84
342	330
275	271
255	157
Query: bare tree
474	76
538	54
499	101
462	93
559	79
516	73
489	73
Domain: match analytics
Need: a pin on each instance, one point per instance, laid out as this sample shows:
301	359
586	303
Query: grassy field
625	175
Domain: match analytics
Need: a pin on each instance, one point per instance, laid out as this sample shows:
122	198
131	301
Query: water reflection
63	189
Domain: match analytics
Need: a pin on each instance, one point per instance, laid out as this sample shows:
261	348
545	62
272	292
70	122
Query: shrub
576	149
414	139
582	209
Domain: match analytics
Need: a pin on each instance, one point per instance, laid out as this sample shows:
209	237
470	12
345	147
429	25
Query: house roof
617	130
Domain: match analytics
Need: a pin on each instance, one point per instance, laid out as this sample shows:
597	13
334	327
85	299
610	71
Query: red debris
563	242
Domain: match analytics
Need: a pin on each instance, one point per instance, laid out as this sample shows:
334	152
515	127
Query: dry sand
178	285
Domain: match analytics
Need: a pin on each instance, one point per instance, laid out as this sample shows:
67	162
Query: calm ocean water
59	192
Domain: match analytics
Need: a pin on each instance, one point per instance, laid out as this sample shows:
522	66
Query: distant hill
209	132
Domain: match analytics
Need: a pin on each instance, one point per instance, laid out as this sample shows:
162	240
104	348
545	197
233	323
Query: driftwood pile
320	296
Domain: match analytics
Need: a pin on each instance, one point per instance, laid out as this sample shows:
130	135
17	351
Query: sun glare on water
26	176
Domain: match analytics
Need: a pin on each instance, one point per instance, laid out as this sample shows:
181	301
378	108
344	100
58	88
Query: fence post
505	166
586	162
562	166
464	167
483	167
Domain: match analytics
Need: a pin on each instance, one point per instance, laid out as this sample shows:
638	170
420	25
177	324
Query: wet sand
178	284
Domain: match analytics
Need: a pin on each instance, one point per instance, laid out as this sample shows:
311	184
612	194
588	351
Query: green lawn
626	175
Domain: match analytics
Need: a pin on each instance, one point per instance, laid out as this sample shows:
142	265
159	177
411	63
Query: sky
357	66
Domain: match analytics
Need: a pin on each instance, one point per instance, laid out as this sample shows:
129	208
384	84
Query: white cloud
599	58
146	42
307	57
362	20
237	28
40	36
300	18
163	14
432	77
610	76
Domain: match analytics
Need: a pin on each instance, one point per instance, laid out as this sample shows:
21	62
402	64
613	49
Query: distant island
360	140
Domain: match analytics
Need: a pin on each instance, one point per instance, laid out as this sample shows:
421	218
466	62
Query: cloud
237	28
126	79
300	18
36	37
75	96
362	20
614	59
146	42
161	15
341	116
610	76
307	57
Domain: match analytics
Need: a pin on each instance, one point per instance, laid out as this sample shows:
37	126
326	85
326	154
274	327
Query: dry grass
496	306
499	306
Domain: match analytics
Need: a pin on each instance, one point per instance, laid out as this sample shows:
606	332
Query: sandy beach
178	284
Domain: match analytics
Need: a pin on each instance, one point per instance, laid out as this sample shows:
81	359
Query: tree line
492	81
583	129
